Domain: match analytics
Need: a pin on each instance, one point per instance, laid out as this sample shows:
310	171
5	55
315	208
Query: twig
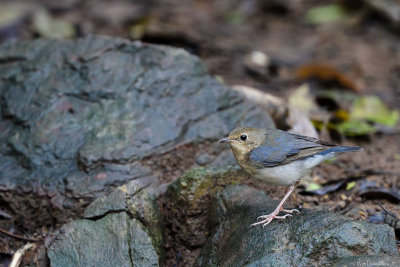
387	212
17	258
19	236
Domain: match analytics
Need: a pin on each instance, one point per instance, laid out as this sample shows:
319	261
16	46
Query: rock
85	244
188	200
81	117
117	200
123	228
186	209
369	260
111	241
311	238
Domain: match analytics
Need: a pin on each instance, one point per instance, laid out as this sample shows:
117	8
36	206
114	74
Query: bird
277	157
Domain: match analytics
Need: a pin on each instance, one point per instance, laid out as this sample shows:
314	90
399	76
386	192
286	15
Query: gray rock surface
369	260
80	117
312	238
78	242
121	229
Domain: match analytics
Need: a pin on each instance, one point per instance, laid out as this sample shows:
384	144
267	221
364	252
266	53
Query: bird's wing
283	148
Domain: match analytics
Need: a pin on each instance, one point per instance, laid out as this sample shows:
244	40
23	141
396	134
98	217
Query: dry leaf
326	73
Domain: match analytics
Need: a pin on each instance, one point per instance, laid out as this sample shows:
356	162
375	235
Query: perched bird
279	158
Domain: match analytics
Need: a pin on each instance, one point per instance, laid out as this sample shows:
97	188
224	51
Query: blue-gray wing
281	148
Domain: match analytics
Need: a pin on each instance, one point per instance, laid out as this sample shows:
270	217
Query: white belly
289	173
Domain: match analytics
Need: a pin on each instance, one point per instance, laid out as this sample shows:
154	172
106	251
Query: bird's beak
225	140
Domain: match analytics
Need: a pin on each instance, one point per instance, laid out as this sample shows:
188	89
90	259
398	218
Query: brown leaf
326	73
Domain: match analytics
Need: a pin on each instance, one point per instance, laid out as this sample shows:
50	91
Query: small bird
279	158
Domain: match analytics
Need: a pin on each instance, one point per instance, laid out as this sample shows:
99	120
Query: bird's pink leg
268	218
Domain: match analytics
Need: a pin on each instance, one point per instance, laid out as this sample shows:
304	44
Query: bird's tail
341	149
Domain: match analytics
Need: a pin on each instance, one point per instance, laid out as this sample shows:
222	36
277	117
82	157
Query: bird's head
245	139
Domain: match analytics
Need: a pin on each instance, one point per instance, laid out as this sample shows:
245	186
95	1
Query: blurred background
270	45
325	68
354	44
356	41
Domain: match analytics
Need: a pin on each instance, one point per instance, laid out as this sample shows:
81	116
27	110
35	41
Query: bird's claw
283	217
264	216
263	222
268	218
290	211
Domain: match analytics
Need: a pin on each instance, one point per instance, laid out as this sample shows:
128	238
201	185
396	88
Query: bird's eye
243	137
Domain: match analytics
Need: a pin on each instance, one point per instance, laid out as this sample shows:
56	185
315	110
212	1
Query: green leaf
354	128
235	17
350	185
327	13
372	109
138	30
312	187
49	27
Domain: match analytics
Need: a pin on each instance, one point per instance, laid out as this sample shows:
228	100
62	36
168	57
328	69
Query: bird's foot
268	218
274	215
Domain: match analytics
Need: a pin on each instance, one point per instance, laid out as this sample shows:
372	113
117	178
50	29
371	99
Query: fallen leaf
326	73
342	115
324	14
362	213
301	104
334	185
235	17
302	99
312	187
275	106
11	14
354	128
372	109
350	185
138	30
368	184
49	27
325	189
220	79
381	193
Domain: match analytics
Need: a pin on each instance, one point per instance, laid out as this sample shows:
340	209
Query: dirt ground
364	45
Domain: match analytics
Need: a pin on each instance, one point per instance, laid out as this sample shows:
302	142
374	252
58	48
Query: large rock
80	117
124	228
312	238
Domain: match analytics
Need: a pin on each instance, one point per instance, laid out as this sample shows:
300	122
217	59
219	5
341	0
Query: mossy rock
188	201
